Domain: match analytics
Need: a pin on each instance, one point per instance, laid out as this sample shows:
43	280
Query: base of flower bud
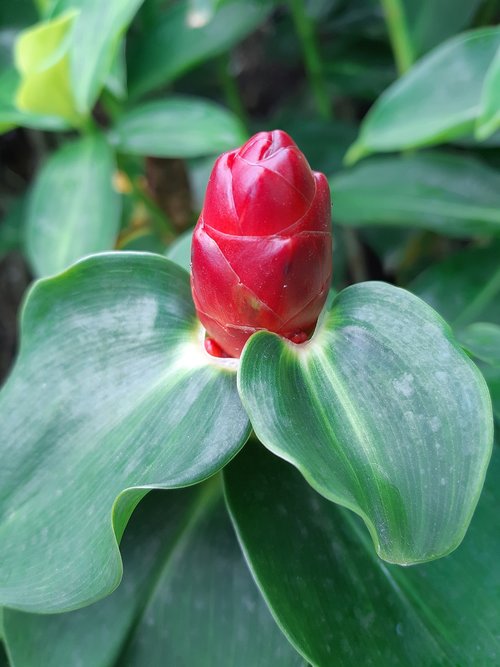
298	337
214	349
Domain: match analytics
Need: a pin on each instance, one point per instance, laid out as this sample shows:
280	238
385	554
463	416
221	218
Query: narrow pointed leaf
177	127
436	101
383	413
342	606
112	392
74	210
451	194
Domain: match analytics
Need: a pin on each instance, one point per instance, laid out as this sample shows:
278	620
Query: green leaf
482	339
383	413
11	116
42	58
112	394
430	23
95	635
465	287
436	101
177	127
172	46
338	604
452	194
210	605
180	251
181	559
94	44
489	119
74	210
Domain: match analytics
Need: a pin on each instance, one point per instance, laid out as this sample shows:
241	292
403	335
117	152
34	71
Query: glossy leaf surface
173	45
337	602
383	413
181	559
451	194
412	113
177	127
74	209
112	391
94	43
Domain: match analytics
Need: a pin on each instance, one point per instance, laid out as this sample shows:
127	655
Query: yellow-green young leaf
438	100
42	58
112	395
383	413
11	116
489	118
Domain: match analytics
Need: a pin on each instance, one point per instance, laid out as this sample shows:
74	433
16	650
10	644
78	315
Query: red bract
262	248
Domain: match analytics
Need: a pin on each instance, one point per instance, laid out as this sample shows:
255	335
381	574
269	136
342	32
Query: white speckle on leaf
404	385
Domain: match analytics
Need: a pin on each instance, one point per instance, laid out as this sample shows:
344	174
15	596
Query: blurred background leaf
177	127
74	209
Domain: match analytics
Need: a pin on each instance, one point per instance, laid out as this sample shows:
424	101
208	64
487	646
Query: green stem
481	300
305	30
399	34
232	93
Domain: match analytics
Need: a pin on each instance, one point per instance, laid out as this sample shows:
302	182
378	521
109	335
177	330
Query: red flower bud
262	248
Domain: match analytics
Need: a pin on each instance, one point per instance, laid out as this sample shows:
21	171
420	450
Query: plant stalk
399	34
305	30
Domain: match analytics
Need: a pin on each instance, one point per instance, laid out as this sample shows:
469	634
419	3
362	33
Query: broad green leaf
489	118
181	559
112	394
430	23
340	605
482	339
177	127
95	41
464	288
206	609
173	46
11	116
95	635
180	251
436	101
383	413
74	210
42	58
452	194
